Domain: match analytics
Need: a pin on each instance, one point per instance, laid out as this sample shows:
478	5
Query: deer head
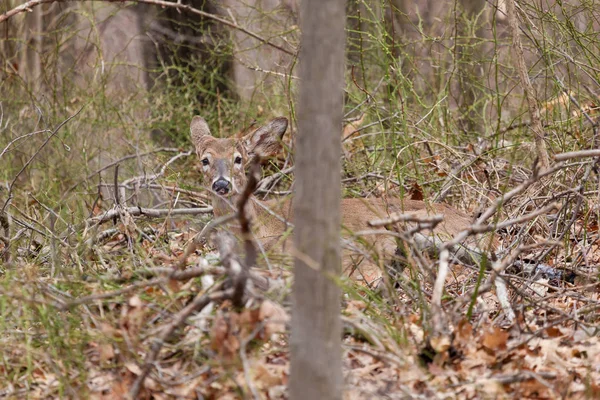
224	159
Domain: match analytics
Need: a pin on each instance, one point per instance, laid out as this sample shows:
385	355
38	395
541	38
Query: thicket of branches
464	102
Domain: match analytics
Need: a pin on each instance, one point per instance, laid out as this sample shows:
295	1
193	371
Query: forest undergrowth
111	282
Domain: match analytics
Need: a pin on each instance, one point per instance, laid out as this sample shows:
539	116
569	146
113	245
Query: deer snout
221	186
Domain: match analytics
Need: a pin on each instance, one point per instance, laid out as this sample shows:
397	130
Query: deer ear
266	140
199	131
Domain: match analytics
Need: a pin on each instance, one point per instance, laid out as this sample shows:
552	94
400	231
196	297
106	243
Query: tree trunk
255	65
316	367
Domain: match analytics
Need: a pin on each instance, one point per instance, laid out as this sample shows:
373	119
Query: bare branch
432	220
165	4
149	212
161	172
114	293
577	154
120	160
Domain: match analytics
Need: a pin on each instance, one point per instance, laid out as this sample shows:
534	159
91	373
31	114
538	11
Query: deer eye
205	161
238	160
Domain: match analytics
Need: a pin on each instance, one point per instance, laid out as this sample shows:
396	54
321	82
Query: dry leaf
133	368
440	344
495	338
416	192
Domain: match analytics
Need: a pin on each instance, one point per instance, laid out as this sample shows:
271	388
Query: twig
120	160
116	188
20	138
250	249
5	221
263	184
51	211
482	228
201	236
33	3
114	293
501	200
161	172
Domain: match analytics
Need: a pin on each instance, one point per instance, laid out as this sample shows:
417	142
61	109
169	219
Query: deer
224	161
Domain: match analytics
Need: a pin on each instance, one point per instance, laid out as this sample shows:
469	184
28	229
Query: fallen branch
259	281
577	154
483	228
149	212
170	189
432	220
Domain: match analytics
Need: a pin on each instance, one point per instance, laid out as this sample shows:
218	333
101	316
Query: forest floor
95	336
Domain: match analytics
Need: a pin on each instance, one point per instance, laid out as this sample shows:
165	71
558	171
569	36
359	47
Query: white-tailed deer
223	163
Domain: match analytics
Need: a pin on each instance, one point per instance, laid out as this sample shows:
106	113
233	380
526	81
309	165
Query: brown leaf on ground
495	338
416	191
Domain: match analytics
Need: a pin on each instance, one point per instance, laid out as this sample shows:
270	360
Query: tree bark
316	366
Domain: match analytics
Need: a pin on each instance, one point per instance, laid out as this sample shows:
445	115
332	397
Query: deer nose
221	186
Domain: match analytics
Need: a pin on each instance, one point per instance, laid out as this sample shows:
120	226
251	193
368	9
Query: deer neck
222	207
